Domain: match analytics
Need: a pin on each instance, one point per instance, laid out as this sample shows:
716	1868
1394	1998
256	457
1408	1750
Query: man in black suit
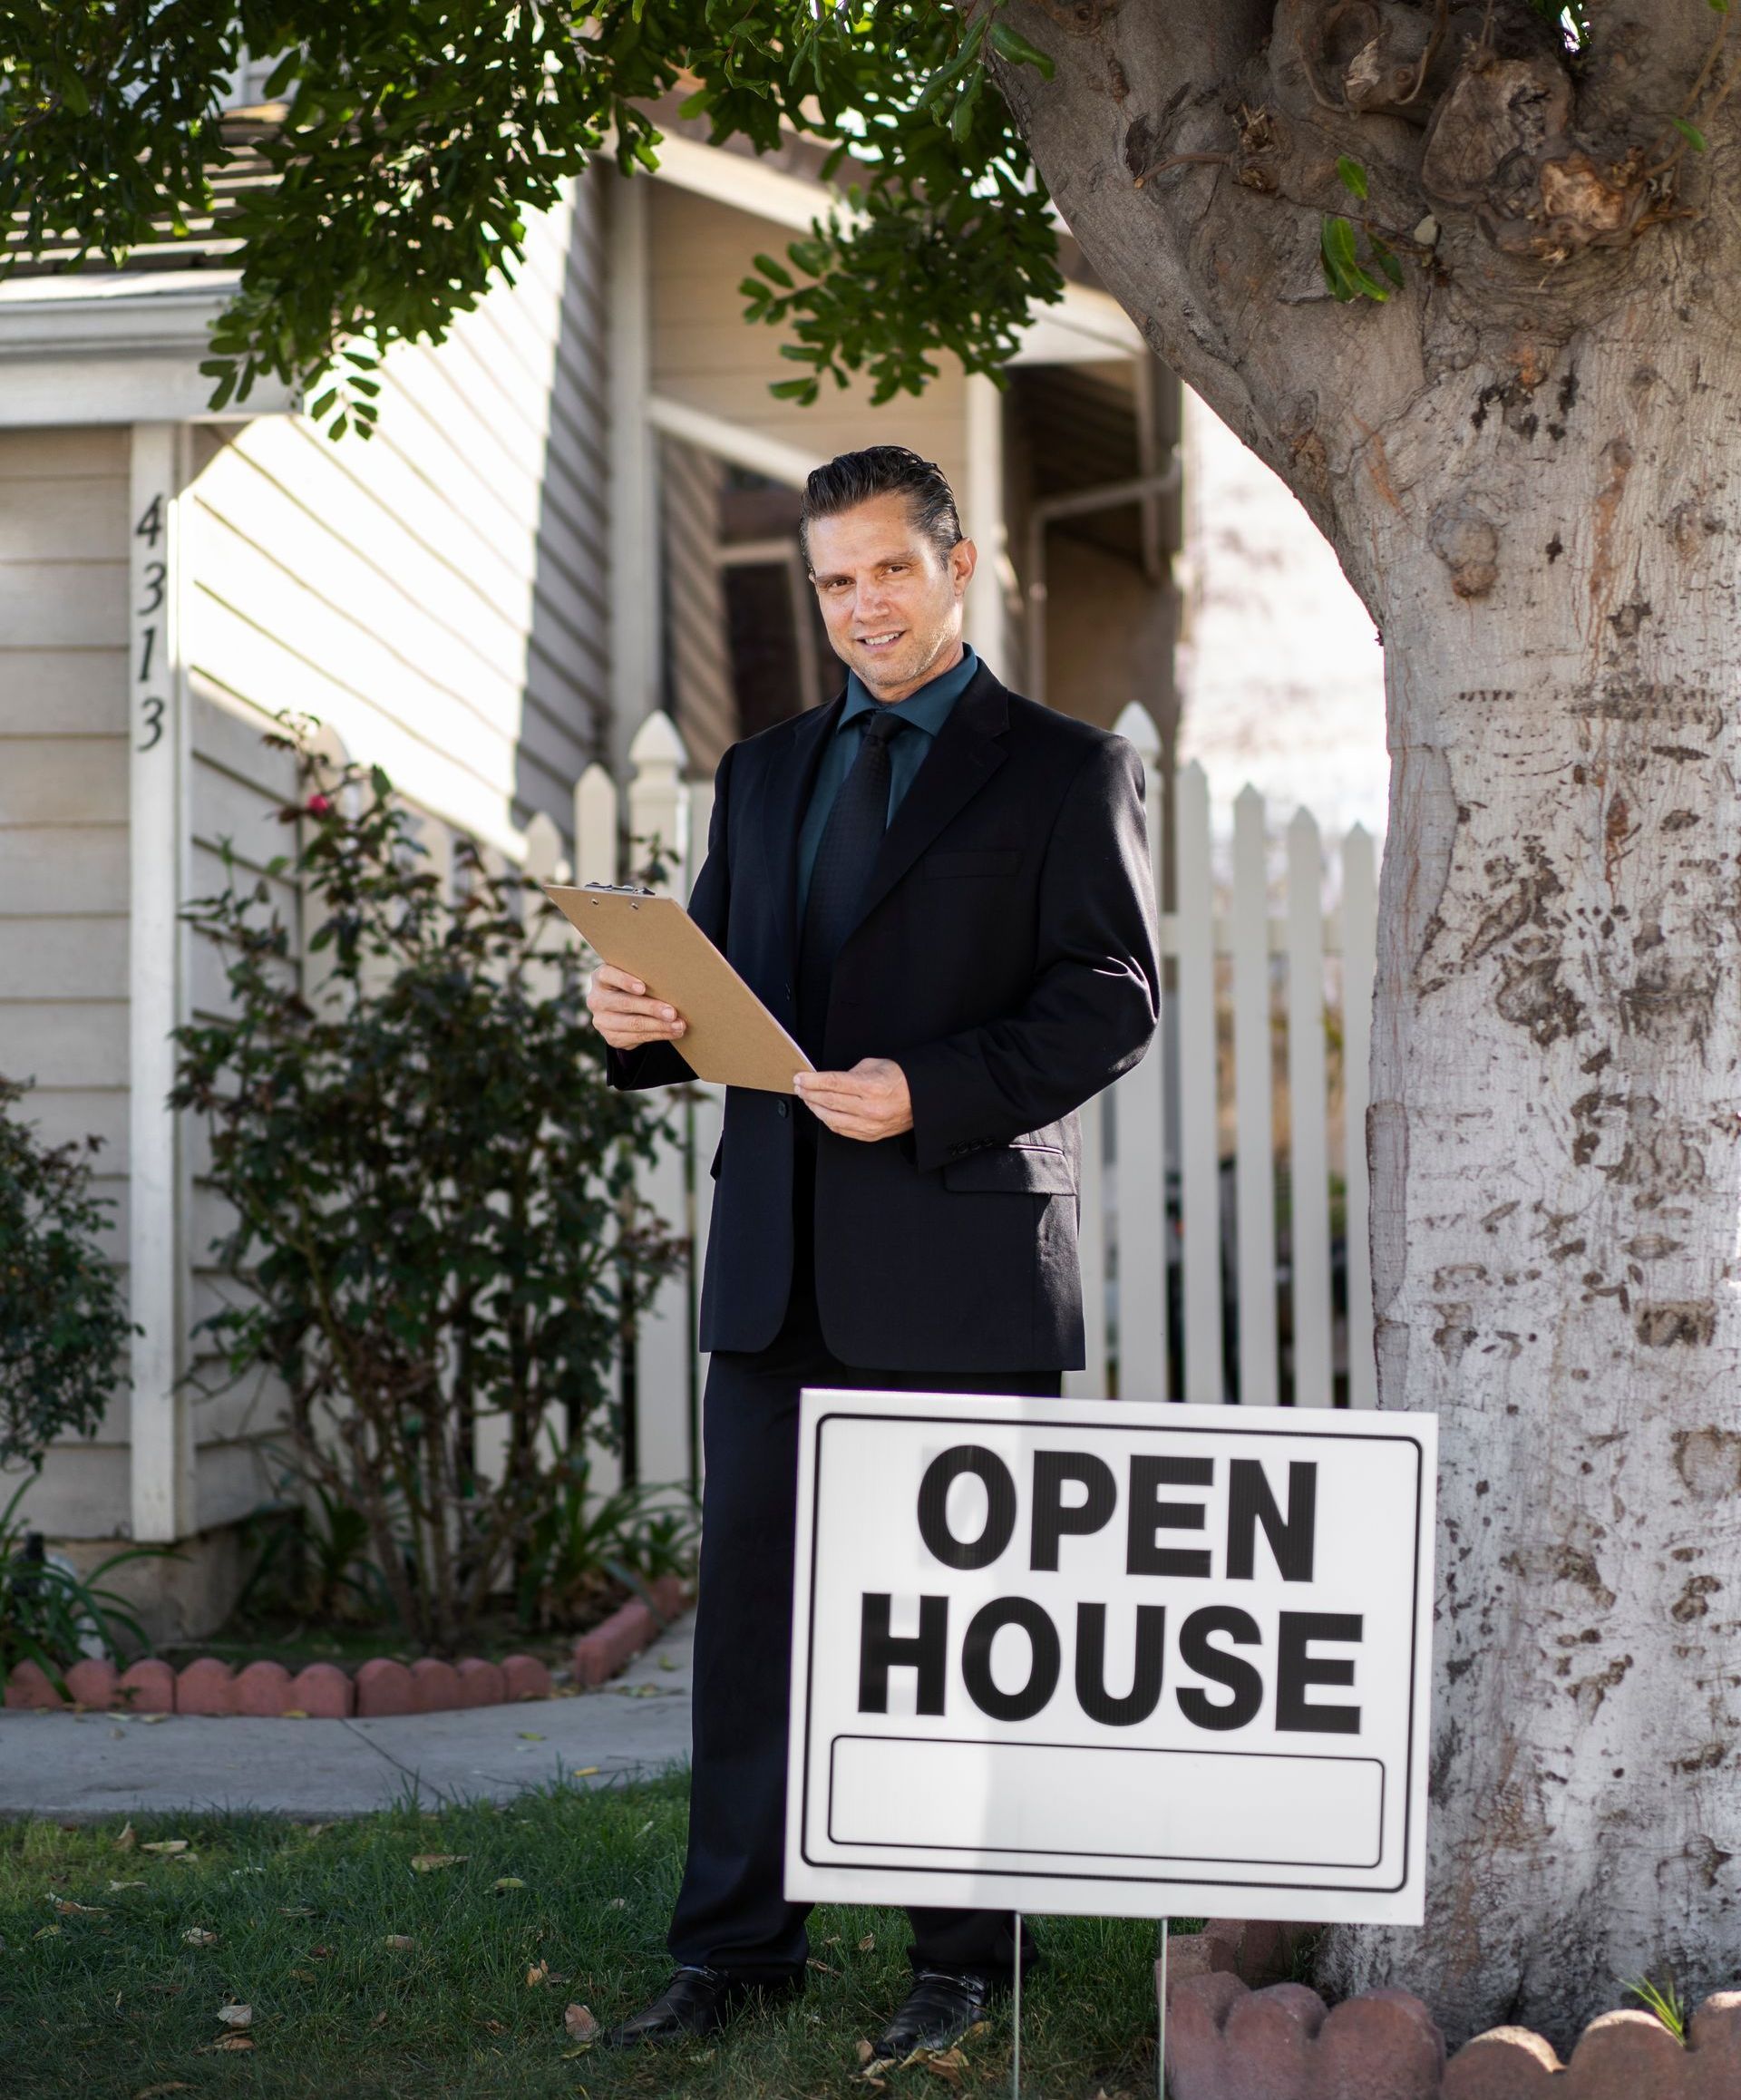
944	892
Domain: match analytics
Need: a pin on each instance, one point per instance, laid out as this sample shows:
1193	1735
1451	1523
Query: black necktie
844	857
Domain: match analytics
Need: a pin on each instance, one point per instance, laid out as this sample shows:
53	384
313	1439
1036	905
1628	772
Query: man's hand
625	1016
869	1102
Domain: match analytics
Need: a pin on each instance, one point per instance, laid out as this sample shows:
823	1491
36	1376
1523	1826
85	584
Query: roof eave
111	348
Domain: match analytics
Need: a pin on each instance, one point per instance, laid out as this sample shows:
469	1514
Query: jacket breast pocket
979	861
1019	1170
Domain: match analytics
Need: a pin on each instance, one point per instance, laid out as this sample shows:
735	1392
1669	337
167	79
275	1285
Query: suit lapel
791	777
966	752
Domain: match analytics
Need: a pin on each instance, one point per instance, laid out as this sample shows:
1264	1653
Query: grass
102	1994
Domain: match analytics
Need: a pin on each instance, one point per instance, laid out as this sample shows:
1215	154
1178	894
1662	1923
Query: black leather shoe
696	2002
937	2012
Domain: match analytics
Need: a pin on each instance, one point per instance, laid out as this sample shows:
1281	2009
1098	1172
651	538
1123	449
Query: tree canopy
417	138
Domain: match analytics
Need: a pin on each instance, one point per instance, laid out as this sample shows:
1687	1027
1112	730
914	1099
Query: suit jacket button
782	1108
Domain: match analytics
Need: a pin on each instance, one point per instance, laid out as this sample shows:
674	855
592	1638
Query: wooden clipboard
731	1037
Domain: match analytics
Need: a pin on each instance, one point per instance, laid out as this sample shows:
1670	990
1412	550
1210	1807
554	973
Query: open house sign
1111	1656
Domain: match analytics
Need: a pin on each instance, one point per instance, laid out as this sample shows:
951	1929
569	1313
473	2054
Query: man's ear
964	559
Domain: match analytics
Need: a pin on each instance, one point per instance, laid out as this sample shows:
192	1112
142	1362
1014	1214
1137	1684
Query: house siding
63	897
437	592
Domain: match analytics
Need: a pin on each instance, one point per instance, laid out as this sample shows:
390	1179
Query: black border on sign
1103	1749
1046	1874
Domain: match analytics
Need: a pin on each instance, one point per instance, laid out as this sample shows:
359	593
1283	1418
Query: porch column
635	624
983	520
159	849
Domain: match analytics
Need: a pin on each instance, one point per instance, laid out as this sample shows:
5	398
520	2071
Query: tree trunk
1527	464
1556	1158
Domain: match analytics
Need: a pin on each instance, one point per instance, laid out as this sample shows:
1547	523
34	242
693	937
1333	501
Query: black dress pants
731	1914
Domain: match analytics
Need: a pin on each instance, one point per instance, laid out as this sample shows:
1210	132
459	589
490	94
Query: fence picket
1308	1206
1140	1190
595	826
1199	1163
1091	1381
1253	1104
663	1356
1360	948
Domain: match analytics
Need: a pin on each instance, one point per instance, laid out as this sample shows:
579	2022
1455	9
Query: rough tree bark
1527	462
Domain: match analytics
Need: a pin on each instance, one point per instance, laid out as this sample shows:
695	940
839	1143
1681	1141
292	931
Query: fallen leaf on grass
125	1843
321	1953
540	1972
199	1936
236	2015
166	1845
833	1939
304	1976
296	1910
580	2025
399	1939
867	1943
495	2026
618	1903
46	1932
228	2042
509	1881
69	1909
380	2019
116	1887
431	1862
158	2092
822	1966
947	2064
865	2051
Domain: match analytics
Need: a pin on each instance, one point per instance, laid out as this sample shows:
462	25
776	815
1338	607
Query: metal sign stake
1161	2042
1015	2016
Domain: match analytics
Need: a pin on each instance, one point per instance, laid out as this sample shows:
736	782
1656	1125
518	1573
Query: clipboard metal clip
621	890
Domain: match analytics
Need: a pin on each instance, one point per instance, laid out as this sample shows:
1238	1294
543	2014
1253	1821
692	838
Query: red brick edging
322	1691
1227	2041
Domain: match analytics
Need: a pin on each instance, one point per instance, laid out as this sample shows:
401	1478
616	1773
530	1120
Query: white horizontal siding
437	592
63	905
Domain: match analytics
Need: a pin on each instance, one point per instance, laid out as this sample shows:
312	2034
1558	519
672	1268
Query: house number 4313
149	617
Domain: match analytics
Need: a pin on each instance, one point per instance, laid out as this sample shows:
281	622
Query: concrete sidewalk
75	1767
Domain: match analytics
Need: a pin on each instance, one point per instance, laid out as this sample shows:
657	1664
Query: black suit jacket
1005	957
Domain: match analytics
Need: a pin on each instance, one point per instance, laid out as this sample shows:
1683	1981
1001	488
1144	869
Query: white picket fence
1250	946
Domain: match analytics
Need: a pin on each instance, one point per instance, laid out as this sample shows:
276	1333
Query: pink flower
318	806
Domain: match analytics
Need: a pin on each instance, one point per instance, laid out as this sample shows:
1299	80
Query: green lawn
104	1995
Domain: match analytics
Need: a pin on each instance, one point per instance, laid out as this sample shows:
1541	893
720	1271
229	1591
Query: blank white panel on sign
1124	1659
1050	1799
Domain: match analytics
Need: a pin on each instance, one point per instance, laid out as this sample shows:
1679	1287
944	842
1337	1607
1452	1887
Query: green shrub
433	1186
62	1322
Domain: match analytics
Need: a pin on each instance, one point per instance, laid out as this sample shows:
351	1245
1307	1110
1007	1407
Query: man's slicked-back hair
854	478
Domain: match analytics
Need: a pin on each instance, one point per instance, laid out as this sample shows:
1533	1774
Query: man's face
892	602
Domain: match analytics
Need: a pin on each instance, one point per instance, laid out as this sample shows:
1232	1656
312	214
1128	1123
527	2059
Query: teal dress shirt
922	714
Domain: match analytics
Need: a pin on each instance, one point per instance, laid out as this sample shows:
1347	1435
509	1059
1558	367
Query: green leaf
1339	245
1354	176
776	271
803	390
1388	262
1690	133
1012	45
